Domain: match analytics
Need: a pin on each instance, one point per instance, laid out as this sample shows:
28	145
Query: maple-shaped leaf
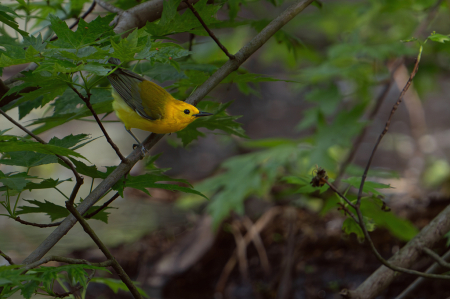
219	121
53	210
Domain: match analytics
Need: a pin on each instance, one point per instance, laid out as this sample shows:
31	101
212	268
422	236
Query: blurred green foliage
336	54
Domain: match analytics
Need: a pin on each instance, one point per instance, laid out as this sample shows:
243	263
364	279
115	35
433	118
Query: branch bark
405	257
151	140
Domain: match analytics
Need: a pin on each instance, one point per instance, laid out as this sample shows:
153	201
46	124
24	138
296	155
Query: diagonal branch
87	101
386	127
88	216
36	224
436	257
213	36
108	6
116	266
194	98
413	286
6	257
61	259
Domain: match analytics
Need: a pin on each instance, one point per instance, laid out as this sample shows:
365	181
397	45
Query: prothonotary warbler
144	105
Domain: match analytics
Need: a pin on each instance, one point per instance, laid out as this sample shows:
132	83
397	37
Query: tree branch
36	224
6	257
412	287
151	140
213	36
436	257
139	15
386	127
88	216
108	6
87	101
116	266
61	259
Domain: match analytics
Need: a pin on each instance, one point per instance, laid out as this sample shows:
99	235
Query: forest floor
308	257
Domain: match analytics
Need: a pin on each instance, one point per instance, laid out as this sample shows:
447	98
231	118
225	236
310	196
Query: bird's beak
201	113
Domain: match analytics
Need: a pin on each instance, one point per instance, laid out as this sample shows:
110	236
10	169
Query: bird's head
187	113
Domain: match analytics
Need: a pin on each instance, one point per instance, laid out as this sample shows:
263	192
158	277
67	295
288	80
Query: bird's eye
187	111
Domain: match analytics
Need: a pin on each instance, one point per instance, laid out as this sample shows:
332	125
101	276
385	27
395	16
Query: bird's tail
113	60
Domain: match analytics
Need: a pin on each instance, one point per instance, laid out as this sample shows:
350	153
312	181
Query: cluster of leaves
43	280
340	83
75	64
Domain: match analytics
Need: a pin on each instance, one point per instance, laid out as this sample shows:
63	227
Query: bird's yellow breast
168	124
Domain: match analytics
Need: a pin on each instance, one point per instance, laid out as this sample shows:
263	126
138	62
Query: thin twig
88	104
6	257
86	13
62	259
436	257
79	179
76	289
116	266
416	283
347	211
285	285
241	249
222	47
90	215
386	263
36	224
386	127
259	245
66	294
109	7
357	142
358	203
339	193
259	225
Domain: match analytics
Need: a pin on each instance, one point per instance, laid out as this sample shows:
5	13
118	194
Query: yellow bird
144	105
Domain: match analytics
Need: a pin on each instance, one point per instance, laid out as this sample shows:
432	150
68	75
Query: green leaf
46	184
53	210
350	226
27	159
127	47
16	181
149	180
49	149
115	285
440	38
171	22
90	171
233	8
9	20
12	280
219	121
369	187
86	34
246	175
161	72
32	159
102	215
305	182
400	228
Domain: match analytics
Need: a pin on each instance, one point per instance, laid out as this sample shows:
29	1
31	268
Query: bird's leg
143	149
